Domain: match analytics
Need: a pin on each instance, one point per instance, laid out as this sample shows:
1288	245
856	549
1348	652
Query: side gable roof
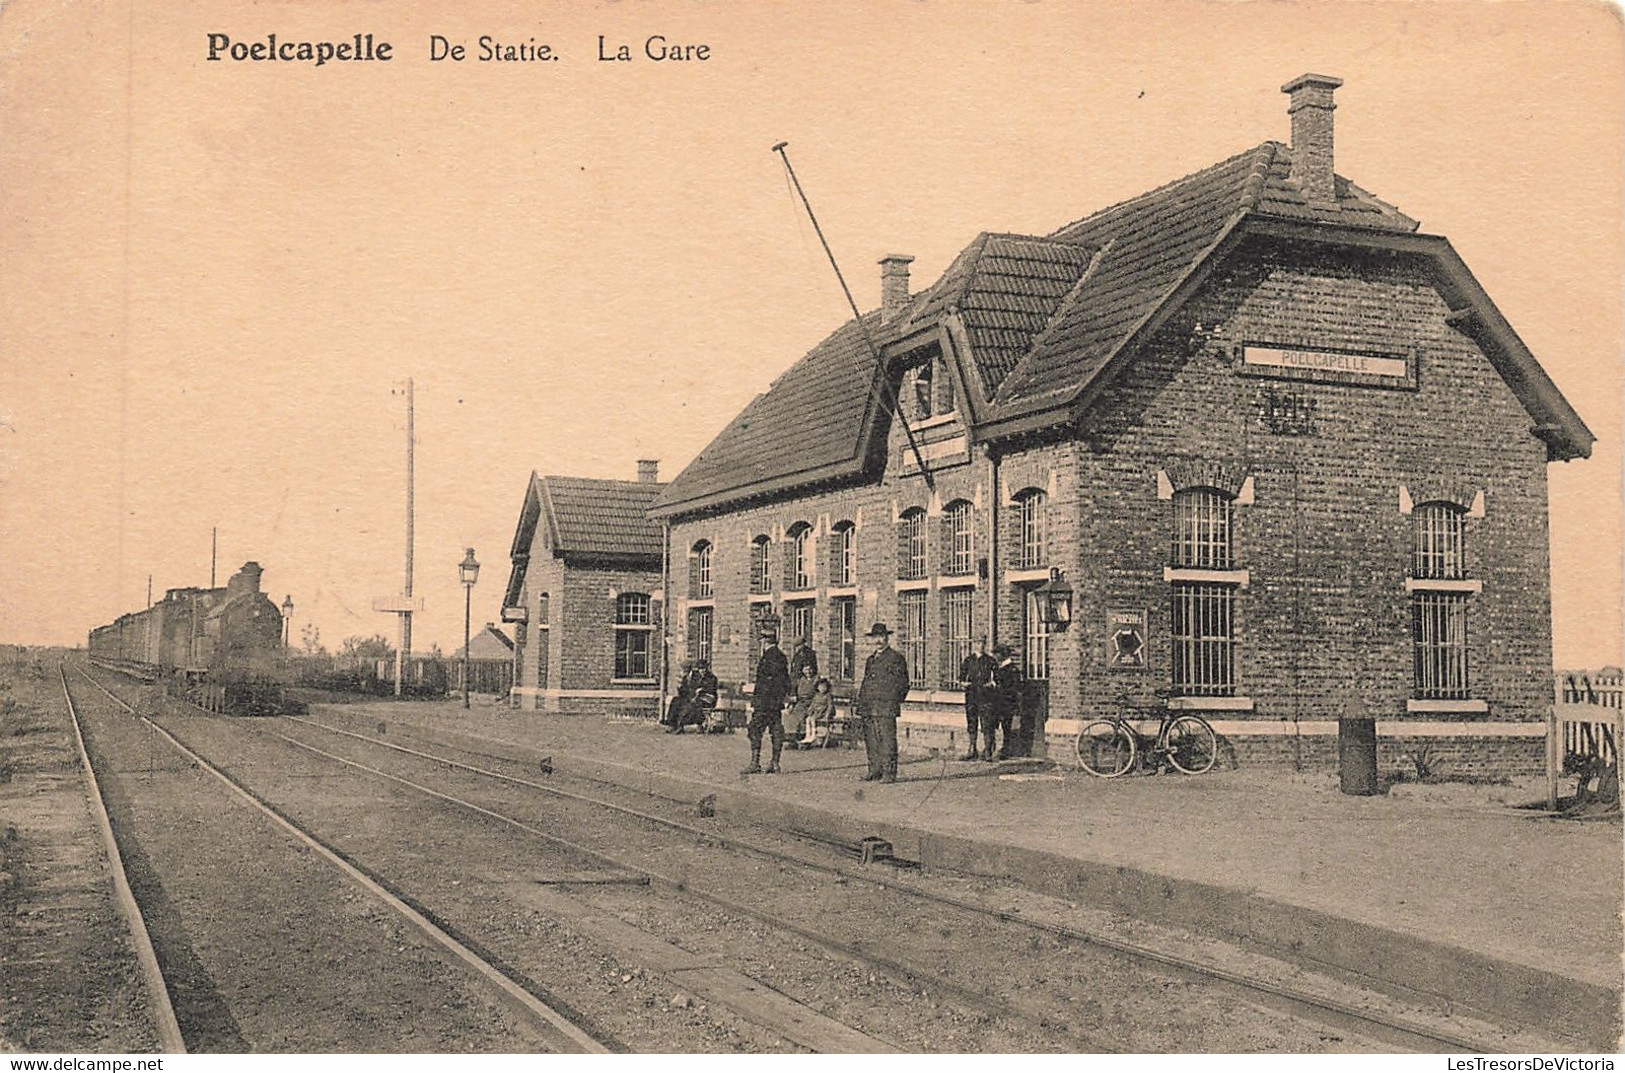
585	517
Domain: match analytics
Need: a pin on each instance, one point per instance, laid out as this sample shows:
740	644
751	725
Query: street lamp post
469	571
287	621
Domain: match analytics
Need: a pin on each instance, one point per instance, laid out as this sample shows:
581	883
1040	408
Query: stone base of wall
1446	757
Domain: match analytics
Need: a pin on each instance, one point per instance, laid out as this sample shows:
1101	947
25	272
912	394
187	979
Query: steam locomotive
221	647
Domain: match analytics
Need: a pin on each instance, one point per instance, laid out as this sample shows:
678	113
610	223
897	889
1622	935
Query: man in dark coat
880	701
976	671
1007	683
802	655
767	705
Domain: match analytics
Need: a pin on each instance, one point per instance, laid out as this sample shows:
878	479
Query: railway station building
1251	438
583	595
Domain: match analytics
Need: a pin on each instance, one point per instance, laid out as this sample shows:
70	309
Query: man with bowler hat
767	704
976	671
880	701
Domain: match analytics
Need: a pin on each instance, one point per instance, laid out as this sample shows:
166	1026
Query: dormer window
928	390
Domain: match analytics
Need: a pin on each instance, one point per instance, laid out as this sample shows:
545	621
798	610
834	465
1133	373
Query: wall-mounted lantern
1054	598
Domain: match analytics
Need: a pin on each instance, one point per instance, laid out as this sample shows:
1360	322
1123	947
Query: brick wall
1323	628
1326	617
569	651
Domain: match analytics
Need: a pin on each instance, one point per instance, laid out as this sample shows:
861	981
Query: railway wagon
223	646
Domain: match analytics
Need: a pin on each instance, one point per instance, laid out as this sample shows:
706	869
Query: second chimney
1311	111
893	286
648	470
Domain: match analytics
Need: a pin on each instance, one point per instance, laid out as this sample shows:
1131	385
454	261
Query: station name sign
1337	366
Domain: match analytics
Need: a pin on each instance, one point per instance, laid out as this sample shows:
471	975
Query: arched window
758	565
957	538
843	555
1032	540
798	565
911	545
699	571
1202	529
634	626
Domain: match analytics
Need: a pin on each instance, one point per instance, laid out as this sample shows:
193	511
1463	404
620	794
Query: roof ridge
601	480
1163	189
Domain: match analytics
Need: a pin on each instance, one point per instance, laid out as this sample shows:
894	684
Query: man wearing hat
767	704
880	701
1007	685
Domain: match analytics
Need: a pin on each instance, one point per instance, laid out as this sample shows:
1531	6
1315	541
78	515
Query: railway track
883	888
171	967
1391	1030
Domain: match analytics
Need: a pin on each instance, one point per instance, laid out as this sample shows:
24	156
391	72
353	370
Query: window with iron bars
1032	520
958	631
1438	541
1439	630
911	635
1202	537
911	549
1036	630
957	538
1204	640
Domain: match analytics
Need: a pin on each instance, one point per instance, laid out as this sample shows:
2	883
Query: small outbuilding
584	595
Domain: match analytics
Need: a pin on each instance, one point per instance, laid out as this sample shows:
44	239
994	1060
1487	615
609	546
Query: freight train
222	647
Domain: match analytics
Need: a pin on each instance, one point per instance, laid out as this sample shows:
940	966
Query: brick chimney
1311	111
893	286
648	470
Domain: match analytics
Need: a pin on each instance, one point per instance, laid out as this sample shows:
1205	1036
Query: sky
217	276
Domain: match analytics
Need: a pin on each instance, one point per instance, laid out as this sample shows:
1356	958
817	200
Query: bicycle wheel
1192	745
1105	748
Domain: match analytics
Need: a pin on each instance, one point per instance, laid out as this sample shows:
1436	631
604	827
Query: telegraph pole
404	652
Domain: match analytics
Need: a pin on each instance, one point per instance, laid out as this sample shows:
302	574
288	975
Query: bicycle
1113	746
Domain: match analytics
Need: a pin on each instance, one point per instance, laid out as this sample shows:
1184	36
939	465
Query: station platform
1423	892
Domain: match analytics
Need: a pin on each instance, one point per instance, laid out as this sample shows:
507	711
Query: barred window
699	571
1439	630
1036	630
911	560
1032	516
911	635
798	567
1438	541
843	548
633	629
957	538
958	629
1204	640
1202	529
843	640
758	565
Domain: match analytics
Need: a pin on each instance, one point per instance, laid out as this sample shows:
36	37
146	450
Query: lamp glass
469	568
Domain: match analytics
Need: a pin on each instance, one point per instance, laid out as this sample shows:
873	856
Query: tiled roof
1005	289
809	421
595	517
1044	318
1149	244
